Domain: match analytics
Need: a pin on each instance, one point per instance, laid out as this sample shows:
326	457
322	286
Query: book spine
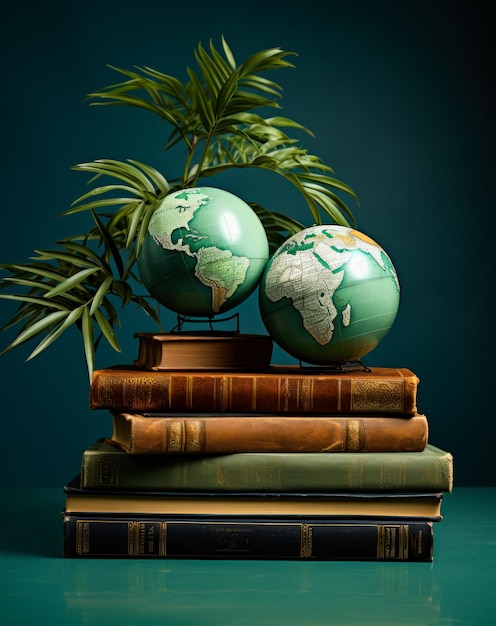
165	351
279	472
244	538
274	392
138	434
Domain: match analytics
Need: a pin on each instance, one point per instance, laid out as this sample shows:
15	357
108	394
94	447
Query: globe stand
210	321
337	368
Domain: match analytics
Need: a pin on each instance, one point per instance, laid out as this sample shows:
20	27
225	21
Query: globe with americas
329	295
204	252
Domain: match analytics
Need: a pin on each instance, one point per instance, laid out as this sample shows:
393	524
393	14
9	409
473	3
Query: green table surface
38	586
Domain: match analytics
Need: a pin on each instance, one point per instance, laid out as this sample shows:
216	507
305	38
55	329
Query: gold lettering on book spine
254	393
380	541
185	436
306	541
283	393
195	436
404	542
392	542
131	531
354	436
175	436
82	537
305	394
189	392
162	550
118	391
303	540
141	392
222	393
140	539
107	472
374	395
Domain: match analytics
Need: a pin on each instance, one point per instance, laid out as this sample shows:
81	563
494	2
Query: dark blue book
245	537
116	523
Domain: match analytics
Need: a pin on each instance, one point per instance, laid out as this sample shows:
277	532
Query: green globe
204	252
329	295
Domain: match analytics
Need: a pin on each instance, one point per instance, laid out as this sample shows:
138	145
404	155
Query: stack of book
284	463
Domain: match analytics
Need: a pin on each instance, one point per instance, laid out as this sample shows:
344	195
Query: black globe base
210	322
336	368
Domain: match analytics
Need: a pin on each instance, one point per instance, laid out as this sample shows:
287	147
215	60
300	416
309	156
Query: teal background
398	96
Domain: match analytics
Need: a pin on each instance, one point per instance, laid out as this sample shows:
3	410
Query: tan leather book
414	505
210	351
222	434
280	389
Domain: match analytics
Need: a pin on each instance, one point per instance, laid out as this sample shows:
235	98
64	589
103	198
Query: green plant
217	116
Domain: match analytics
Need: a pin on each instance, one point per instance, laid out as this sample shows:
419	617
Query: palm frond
219	113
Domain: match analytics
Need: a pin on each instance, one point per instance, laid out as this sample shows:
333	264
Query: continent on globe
204	252
329	295
222	272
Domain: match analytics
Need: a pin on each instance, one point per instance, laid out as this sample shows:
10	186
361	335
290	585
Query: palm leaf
161	184
32	300
100	294
76	280
88	340
218	113
107	330
37	327
70	318
109	243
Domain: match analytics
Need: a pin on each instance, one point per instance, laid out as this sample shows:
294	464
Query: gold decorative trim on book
368	395
354	436
185	436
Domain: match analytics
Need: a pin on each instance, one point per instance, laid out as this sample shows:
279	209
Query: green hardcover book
106	466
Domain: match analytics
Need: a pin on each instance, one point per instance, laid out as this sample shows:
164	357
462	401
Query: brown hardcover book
223	434
183	351
281	389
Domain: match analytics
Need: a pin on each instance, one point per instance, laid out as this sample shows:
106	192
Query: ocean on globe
204	252
329	295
